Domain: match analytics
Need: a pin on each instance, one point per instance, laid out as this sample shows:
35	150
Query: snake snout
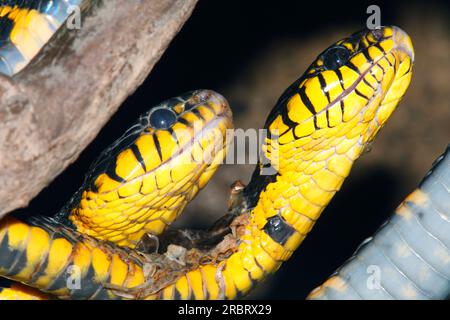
402	42
399	47
212	97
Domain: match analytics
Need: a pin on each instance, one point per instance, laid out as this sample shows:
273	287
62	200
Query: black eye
335	57
162	118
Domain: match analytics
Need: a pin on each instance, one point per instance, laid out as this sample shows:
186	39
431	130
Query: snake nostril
162	118
377	33
335	57
204	96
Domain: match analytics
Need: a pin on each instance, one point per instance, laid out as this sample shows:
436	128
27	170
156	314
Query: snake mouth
402	42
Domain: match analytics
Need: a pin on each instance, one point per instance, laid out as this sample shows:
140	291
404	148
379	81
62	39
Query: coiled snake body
139	185
409	256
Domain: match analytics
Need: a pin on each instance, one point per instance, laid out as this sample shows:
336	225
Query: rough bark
54	108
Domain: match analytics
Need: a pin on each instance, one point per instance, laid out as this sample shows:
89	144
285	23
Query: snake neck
290	202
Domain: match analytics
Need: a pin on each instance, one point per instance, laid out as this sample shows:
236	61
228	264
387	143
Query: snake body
26	26
411	252
317	129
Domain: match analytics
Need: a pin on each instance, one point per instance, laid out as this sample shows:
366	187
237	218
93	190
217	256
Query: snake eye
162	118
335	57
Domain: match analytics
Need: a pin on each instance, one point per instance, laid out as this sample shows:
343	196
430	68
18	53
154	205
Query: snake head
145	178
349	91
343	98
373	70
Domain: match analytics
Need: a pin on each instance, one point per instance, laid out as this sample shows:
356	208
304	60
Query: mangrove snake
140	184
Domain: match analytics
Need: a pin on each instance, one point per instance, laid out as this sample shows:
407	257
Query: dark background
250	52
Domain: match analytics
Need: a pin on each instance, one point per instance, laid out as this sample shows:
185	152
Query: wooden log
52	110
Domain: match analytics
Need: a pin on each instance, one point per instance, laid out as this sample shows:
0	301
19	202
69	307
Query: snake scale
411	250
140	184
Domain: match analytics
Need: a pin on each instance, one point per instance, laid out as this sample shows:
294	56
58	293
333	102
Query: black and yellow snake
140	184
